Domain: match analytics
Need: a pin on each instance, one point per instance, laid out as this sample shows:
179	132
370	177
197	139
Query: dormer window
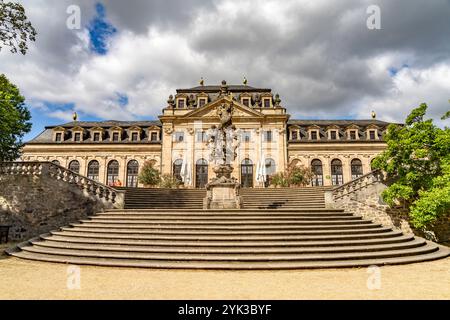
58	137
333	134
96	137
134	136
154	136
115	136
246	102
77	137
201	102
181	103
372	134
352	134
294	135
314	134
266	103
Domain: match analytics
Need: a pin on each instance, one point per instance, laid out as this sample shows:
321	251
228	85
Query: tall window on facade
179	136
317	170
270	170
154	136
176	170
93	169
74	166
201	173
56	162
336	172
246	136
268	136
113	173
132	173
247	173
201	136
77	136
357	169
58	137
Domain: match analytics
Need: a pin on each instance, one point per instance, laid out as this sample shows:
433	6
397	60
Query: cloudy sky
320	56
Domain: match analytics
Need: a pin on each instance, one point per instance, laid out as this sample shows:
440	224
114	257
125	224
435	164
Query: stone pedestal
223	193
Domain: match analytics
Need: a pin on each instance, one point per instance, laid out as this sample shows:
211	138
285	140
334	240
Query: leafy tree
169	181
14	120
417	162
149	175
15	29
293	176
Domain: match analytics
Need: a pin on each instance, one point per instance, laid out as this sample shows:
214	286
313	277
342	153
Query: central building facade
337	151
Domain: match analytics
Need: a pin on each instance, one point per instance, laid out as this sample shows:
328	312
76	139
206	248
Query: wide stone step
178	237
231	229
252	250
231	265
236	218
202	233
234	257
233	244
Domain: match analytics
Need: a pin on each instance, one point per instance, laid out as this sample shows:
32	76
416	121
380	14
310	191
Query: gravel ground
23	279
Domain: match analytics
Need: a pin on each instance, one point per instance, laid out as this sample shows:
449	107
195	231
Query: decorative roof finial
245	81
202	82
374	115
74	116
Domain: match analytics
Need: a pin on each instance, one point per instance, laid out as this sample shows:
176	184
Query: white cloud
318	55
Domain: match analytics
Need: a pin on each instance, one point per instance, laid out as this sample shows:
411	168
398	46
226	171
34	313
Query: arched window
317	170
113	173
74	166
93	168
270	170
247	173
176	170
56	162
132	173
201	173
357	169
336	172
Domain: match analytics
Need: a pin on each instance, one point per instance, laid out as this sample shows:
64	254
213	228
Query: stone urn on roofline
222	192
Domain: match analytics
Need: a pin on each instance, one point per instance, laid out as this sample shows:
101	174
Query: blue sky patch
100	30
122	99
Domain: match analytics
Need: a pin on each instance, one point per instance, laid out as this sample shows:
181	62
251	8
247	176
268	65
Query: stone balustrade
351	188
109	196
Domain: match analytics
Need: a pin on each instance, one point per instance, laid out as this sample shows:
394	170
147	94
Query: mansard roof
107	124
344	123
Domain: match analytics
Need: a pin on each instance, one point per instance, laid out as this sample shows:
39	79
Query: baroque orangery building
113	152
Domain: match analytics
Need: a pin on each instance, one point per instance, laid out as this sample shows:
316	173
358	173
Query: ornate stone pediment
210	110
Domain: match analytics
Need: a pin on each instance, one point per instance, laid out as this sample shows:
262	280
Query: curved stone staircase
233	239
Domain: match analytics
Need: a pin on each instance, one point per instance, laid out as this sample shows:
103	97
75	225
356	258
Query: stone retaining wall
35	204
